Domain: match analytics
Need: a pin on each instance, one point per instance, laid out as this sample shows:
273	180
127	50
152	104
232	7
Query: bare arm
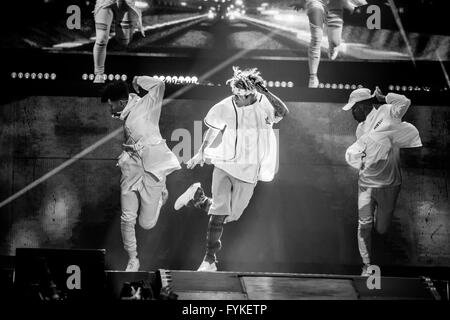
199	158
281	109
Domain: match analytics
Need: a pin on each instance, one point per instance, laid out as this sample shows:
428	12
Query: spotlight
174	79
91	76
46	76
327	85
410	88
53	76
403	88
27	75
124	77
161	78
33	76
270	84
340	86
347	86
111	77
84	76
391	87
117	77
277	84
360	86
397	88
334	86
13	75
181	79
290	84
195	80
155	77
283	84
20	75
168	79
321	85
353	87
188	79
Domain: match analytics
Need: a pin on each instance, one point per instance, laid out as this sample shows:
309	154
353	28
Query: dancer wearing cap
246	154
126	16
376	154
146	160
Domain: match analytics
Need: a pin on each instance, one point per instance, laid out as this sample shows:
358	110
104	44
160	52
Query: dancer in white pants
376	154
126	17
146	160
246	154
330	13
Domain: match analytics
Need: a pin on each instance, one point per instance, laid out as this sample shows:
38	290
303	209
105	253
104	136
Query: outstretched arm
153	86
199	158
399	103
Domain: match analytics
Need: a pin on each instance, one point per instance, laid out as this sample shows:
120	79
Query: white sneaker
133	265
313	81
364	272
99	78
207	267
333	53
187	196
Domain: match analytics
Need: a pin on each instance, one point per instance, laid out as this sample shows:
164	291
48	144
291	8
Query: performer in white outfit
247	152
126	17
146	160
376	154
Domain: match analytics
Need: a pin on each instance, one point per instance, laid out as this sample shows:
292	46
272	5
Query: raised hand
197	159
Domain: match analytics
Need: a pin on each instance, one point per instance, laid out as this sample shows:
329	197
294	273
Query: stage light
141	4
91	76
321	85
20	75
360	86
334	86
327	85
174	79
391	87
53	76
340	86
124	77
33	76
26	75
417	88
403	88
181	79
277	84
265	83
188	79
410	88
353	86
290	84
347	86
117	77
46	76
161	78
397	88
168	79
13	75
195	80
84	76
155	77
283	84
111	77
270	84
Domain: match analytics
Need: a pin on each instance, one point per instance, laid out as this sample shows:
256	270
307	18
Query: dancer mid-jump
146	160
246	154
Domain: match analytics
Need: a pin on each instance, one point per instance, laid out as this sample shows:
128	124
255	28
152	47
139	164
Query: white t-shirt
248	149
376	153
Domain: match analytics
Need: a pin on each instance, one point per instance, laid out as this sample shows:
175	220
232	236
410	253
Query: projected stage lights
178	80
33	75
107	77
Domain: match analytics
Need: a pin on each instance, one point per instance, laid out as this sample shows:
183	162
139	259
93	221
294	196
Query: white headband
241	92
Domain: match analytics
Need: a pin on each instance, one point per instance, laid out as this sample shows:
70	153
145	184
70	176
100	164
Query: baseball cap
358	95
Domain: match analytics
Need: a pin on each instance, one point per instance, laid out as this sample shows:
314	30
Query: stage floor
192	285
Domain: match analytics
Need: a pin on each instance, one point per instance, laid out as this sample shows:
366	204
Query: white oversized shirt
141	130
376	153
248	149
